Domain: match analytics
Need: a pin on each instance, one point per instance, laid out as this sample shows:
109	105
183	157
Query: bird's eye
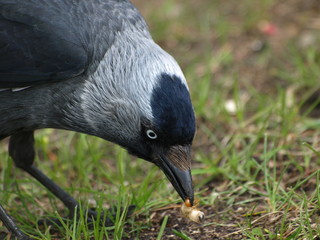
151	134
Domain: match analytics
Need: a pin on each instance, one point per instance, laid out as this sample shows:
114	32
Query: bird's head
166	138
138	98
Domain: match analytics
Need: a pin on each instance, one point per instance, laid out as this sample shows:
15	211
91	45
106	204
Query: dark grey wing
51	40
31	51
29	56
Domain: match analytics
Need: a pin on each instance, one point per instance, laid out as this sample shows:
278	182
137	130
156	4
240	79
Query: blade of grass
163	226
182	235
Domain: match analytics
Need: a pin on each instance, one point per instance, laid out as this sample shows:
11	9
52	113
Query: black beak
175	163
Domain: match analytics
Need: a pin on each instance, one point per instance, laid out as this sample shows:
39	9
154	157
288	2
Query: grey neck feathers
118	93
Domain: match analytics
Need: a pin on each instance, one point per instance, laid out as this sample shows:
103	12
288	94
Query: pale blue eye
151	134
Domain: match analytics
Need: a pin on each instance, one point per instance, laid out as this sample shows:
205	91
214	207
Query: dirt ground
223	222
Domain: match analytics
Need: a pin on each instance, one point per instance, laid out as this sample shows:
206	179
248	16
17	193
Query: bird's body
92	67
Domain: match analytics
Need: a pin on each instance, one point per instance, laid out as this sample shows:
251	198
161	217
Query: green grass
255	167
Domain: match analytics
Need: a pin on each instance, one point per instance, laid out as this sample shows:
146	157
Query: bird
91	67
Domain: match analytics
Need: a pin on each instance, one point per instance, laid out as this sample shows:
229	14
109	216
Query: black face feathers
172	110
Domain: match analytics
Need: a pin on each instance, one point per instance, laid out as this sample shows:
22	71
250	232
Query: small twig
234	233
167	207
219	224
266	215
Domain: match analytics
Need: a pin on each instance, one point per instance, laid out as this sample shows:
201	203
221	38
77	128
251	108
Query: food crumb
191	212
